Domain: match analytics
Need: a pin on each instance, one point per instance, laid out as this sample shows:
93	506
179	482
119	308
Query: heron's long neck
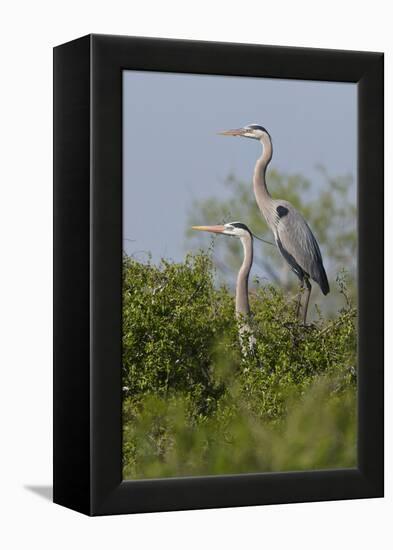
242	303
262	195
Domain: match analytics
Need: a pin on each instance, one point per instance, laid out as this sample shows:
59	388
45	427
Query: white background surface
28	32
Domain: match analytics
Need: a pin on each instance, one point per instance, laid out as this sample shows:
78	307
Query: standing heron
242	307
292	234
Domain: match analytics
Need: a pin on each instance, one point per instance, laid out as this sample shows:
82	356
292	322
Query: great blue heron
242	304
293	236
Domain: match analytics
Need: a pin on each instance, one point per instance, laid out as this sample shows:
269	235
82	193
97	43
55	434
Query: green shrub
160	439
194	404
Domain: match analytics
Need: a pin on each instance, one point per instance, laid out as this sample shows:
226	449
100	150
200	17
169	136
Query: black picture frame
88	263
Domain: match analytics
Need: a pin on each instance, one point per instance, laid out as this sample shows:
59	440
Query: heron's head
253	131
233	229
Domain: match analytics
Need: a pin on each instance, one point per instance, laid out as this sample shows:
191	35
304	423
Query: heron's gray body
292	234
297	243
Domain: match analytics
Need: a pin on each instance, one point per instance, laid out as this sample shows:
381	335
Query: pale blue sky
172	153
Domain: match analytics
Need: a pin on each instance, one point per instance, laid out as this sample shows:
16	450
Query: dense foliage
195	404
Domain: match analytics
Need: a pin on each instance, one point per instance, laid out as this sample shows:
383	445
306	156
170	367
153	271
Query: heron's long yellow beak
210	228
235	132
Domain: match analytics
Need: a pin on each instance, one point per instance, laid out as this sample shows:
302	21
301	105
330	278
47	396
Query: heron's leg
308	292
299	297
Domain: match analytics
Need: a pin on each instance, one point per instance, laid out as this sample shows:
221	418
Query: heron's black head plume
257	127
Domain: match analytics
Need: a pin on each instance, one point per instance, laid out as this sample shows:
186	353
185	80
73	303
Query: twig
337	322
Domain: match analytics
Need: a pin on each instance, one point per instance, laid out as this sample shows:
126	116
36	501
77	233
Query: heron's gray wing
298	245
